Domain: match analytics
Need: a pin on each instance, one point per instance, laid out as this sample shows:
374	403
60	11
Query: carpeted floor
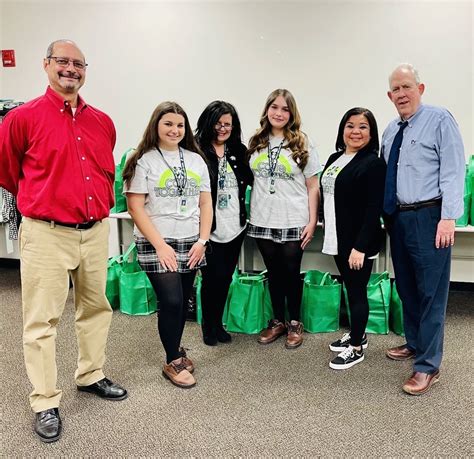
250	400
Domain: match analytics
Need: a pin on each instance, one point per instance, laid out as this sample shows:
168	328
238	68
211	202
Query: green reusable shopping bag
114	269
321	302
198	287
396	312
464	219
248	195
470	186
378	294
137	297
120	200
248	306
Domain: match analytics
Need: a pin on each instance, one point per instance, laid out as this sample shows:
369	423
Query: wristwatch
204	242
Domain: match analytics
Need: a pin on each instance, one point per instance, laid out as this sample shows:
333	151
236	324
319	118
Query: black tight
216	279
356	284
283	263
172	291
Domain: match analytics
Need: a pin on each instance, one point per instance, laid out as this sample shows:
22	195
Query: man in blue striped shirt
423	198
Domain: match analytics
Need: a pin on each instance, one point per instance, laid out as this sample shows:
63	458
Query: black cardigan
236	159
358	201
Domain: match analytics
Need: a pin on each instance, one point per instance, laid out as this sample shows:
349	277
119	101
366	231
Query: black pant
216	278
283	263
172	291
356	285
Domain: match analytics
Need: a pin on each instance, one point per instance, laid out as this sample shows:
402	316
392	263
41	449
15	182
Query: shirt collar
60	103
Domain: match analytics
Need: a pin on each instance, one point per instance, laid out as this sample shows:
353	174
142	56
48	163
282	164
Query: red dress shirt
60	165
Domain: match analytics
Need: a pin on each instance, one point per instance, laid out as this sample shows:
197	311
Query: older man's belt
419	205
78	226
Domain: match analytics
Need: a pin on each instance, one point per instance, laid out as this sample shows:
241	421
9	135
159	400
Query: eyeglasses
64	62
226	126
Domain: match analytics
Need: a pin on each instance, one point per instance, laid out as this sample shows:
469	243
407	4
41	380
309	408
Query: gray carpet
250	400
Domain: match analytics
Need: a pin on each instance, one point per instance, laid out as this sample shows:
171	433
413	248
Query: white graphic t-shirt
173	216
227	207
328	181
287	206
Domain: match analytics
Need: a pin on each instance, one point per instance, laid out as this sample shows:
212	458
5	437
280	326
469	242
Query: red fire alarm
8	57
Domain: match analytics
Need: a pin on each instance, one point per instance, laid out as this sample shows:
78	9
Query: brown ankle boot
295	334
273	331
187	361
176	372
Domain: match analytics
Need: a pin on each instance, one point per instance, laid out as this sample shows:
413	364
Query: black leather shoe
105	389
222	336
48	425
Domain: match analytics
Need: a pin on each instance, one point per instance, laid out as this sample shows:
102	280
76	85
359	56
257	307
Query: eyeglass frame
218	126
74	62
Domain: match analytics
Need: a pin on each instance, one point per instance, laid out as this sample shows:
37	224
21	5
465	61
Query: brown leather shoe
420	383
176	372
295	334
187	361
400	353
273	331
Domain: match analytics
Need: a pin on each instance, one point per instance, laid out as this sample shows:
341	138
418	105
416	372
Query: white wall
332	55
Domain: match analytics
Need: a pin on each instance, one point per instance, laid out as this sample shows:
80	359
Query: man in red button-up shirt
56	157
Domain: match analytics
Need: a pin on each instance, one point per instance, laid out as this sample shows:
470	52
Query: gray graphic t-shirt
173	216
288	206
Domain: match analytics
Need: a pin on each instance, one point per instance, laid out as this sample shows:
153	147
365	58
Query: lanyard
273	156
179	173
222	169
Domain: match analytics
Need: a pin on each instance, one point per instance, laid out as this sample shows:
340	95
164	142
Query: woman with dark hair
284	208
352	186
168	196
219	136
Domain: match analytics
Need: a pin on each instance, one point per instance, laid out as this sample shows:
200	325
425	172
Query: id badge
271	186
222	200
182	205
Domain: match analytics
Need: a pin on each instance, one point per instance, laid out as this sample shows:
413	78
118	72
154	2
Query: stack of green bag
378	293
321	301
120	201
468	200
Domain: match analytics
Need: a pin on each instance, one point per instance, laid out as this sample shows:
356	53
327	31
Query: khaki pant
49	254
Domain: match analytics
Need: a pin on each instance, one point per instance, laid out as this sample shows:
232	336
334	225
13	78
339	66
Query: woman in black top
352	188
218	133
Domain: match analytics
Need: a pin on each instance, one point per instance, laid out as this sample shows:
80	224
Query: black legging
356	284
216	278
283	263
172	291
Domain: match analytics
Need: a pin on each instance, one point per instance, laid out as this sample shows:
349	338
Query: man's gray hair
405	66
50	50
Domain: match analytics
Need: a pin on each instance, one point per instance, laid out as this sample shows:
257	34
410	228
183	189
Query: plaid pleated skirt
279	235
148	258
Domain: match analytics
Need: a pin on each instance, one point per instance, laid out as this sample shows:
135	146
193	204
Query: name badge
182	205
222	200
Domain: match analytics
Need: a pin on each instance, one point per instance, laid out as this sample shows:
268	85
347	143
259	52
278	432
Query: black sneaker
345	341
346	359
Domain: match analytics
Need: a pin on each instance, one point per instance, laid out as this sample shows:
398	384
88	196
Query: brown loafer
274	330
420	383
176	372
400	353
294	338
187	361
